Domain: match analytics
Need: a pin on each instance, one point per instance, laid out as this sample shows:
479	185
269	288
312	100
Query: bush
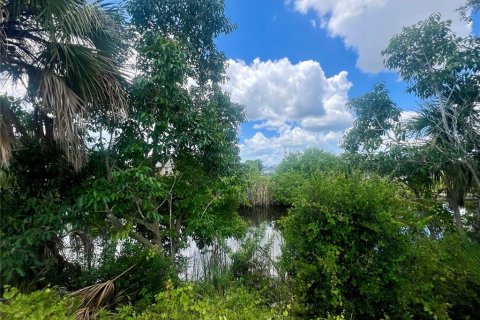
183	303
187	302
451	272
148	277
38	305
345	246
296	168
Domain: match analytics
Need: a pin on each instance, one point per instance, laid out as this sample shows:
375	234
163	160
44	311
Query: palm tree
66	53
459	156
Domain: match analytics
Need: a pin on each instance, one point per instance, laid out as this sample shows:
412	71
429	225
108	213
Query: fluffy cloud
279	91
298	101
406	116
288	139
367	25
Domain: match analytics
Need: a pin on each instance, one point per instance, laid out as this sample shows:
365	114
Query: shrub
186	302
183	303
345	246
38	305
296	168
143	282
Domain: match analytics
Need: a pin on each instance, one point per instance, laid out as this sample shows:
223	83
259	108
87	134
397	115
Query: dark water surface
263	225
257	216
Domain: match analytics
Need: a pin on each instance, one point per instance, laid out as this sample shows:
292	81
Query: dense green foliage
354	247
34	198
44	304
345	245
167	172
106	176
296	168
185	302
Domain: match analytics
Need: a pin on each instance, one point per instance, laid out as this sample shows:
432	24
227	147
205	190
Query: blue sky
294	64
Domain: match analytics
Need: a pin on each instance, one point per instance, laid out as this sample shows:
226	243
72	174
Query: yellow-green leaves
38	305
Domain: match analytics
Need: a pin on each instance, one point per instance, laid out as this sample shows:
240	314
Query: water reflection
257	216
261	245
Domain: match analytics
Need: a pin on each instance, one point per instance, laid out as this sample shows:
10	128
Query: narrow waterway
261	244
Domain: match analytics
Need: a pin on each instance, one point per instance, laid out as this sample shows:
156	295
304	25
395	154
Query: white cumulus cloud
368	25
298	101
279	91
288	139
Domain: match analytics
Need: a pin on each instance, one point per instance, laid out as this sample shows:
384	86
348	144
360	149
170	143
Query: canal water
261	246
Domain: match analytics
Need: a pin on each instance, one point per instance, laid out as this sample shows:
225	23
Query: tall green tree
442	70
377	118
180	119
194	24
166	172
65	54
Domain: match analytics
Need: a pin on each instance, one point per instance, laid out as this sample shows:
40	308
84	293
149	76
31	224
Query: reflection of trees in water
257	252
258	215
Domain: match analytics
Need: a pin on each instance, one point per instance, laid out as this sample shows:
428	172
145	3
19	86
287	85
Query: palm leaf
96	297
68	113
6	141
93	76
93	298
68	50
92	22
8	123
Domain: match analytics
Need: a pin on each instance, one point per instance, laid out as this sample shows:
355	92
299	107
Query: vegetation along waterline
123	194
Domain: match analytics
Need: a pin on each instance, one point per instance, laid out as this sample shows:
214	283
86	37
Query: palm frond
46	12
427	121
93	76
6	141
7	121
93	298
68	114
68	48
96	297
91	22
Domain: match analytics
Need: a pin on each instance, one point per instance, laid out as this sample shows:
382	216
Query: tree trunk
49	136
453	204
